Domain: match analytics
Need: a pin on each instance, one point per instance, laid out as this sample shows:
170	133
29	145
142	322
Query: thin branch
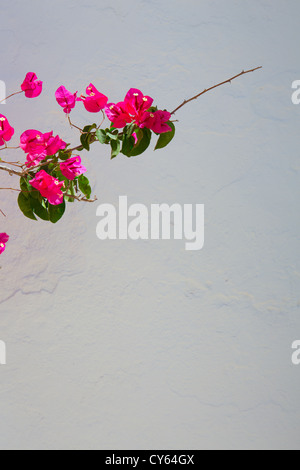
18	164
73	125
9	148
11	189
102	119
13	94
215	86
78	198
2	213
11	171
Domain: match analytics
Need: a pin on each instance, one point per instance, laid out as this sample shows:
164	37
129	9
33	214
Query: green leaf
144	139
25	206
101	136
64	155
129	130
128	145
85	141
25	187
112	136
88	129
84	186
165	138
38	208
115	148
56	212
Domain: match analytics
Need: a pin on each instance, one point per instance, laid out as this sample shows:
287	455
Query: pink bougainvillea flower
3	240
117	114
6	131
136	103
94	101
49	187
156	121
66	99
132	109
34	159
32	86
72	168
39	145
53	144
32	142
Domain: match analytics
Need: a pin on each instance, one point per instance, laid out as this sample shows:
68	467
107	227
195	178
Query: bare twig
13	94
215	86
2	213
18	164
73	125
11	171
102	119
11	189
78	198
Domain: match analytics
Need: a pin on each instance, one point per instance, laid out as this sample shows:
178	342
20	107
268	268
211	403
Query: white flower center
135	94
2	245
145	99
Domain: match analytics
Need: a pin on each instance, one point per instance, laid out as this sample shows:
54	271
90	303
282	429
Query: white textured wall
142	344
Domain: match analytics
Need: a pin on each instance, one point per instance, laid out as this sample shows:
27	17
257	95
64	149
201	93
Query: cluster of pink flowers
93	102
32	87
72	168
38	145
50	187
136	108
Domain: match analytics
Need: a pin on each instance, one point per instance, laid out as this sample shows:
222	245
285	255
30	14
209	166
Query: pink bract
54	144
157	121
32	142
66	99
136	103
49	187
72	168
39	145
32	86
136	108
94	101
117	114
6	131
3	240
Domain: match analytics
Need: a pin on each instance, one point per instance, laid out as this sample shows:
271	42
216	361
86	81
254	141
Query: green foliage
165	138
115	148
86	138
25	206
144	139
101	136
84	186
56	212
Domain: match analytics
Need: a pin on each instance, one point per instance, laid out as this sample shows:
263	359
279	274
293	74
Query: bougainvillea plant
52	174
